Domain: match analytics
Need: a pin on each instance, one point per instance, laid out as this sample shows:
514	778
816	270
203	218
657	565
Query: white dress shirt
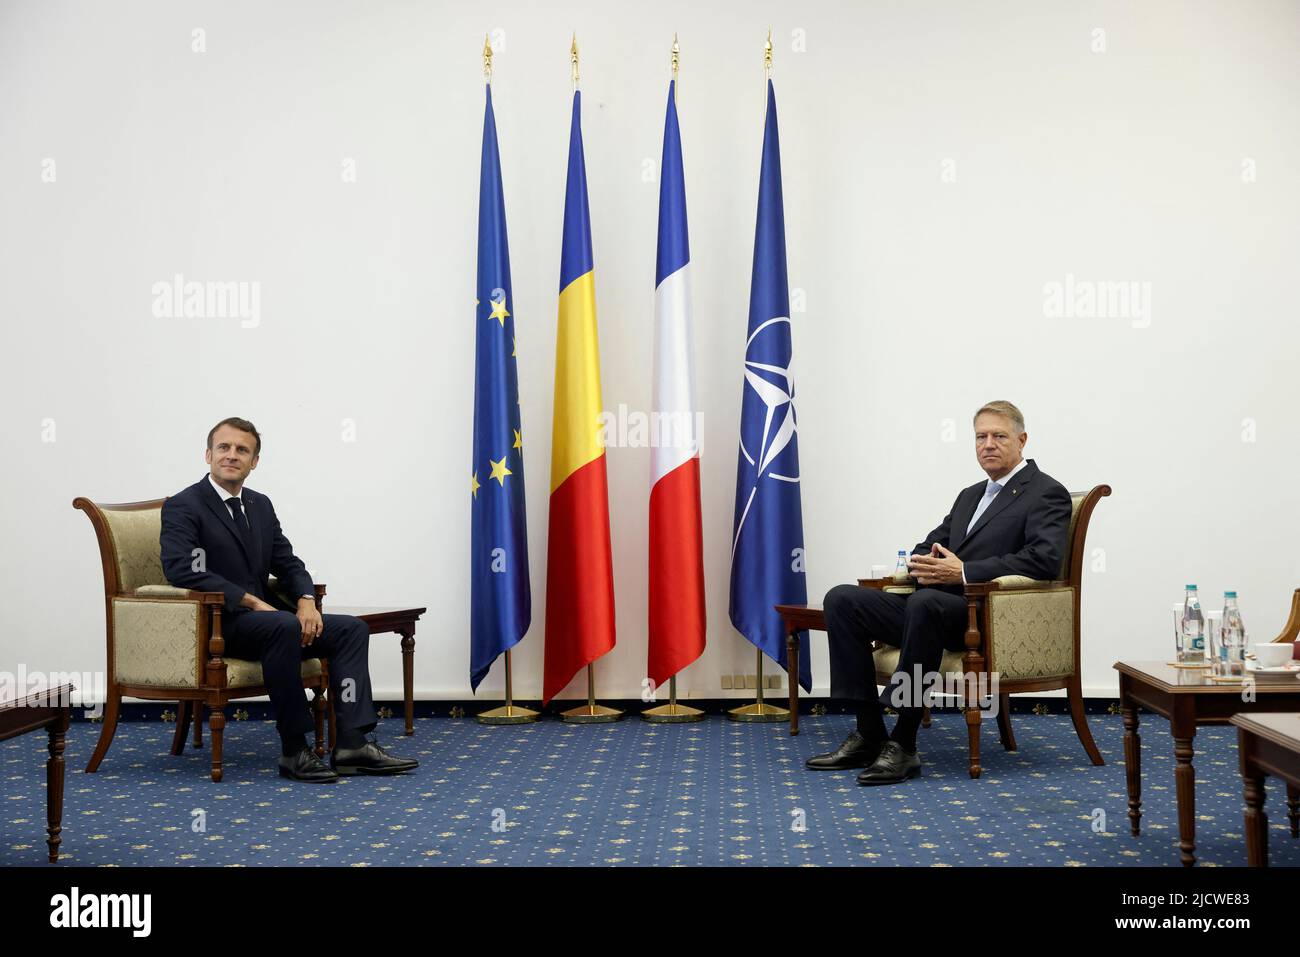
226	496
1002	484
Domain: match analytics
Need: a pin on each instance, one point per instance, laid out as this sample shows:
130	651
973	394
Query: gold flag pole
573	61
510	713
591	713
759	711
672	712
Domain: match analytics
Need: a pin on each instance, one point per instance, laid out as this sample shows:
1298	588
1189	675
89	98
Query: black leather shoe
370	758
305	766
892	766
855	752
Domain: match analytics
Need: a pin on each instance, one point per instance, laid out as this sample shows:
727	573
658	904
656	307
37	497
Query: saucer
1280	670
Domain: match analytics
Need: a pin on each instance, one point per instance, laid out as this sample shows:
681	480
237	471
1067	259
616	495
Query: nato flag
767	552
500	598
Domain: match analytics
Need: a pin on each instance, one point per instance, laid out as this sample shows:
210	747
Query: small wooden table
1267	744
51	710
399	621
1188	698
797	618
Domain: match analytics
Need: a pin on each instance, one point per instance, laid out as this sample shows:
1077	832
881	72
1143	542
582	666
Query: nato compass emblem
773	385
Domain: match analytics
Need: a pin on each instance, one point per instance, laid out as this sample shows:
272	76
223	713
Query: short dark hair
244	426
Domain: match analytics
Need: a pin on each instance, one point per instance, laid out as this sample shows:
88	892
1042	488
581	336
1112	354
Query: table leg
54	786
1293	808
408	677
1184	732
792	661
1256	819
1132	762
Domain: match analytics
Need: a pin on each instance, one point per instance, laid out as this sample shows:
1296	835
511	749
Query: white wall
924	297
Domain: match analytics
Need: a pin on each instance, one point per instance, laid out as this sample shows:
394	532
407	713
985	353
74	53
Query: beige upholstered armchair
165	643
1024	631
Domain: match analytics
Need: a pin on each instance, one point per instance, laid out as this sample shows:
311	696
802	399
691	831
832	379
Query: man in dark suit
1015	523
219	536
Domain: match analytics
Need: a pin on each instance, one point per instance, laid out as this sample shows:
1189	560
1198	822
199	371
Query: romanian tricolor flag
579	563
677	616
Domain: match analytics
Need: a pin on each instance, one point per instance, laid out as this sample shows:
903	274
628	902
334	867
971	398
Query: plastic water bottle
900	567
1232	643
1193	649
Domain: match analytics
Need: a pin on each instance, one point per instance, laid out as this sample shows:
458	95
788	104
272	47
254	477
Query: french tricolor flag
677	615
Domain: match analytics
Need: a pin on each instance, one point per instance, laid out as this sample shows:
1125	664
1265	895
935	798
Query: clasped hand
940	567
308	617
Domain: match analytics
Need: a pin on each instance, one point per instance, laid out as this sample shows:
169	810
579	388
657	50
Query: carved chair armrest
273	586
1292	627
172	593
1011	583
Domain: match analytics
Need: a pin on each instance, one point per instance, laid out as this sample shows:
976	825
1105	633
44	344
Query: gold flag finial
487	60
767	55
573	60
677	56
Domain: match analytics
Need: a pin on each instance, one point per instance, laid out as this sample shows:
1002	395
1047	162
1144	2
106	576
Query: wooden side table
1267	744
1188	698
51	710
399	621
797	618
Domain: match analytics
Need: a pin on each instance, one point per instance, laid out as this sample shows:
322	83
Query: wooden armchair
1024	631
1291	630
165	643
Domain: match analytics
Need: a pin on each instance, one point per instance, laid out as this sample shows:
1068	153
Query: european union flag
767	556
500	597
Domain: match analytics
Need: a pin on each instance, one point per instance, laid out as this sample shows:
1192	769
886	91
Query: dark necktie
237	513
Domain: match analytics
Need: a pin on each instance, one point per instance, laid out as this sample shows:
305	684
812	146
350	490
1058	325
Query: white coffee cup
1274	655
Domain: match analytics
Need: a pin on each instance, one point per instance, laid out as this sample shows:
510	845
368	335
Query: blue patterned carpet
714	793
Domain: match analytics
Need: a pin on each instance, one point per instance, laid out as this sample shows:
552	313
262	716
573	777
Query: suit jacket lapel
961	515
1010	494
219	508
